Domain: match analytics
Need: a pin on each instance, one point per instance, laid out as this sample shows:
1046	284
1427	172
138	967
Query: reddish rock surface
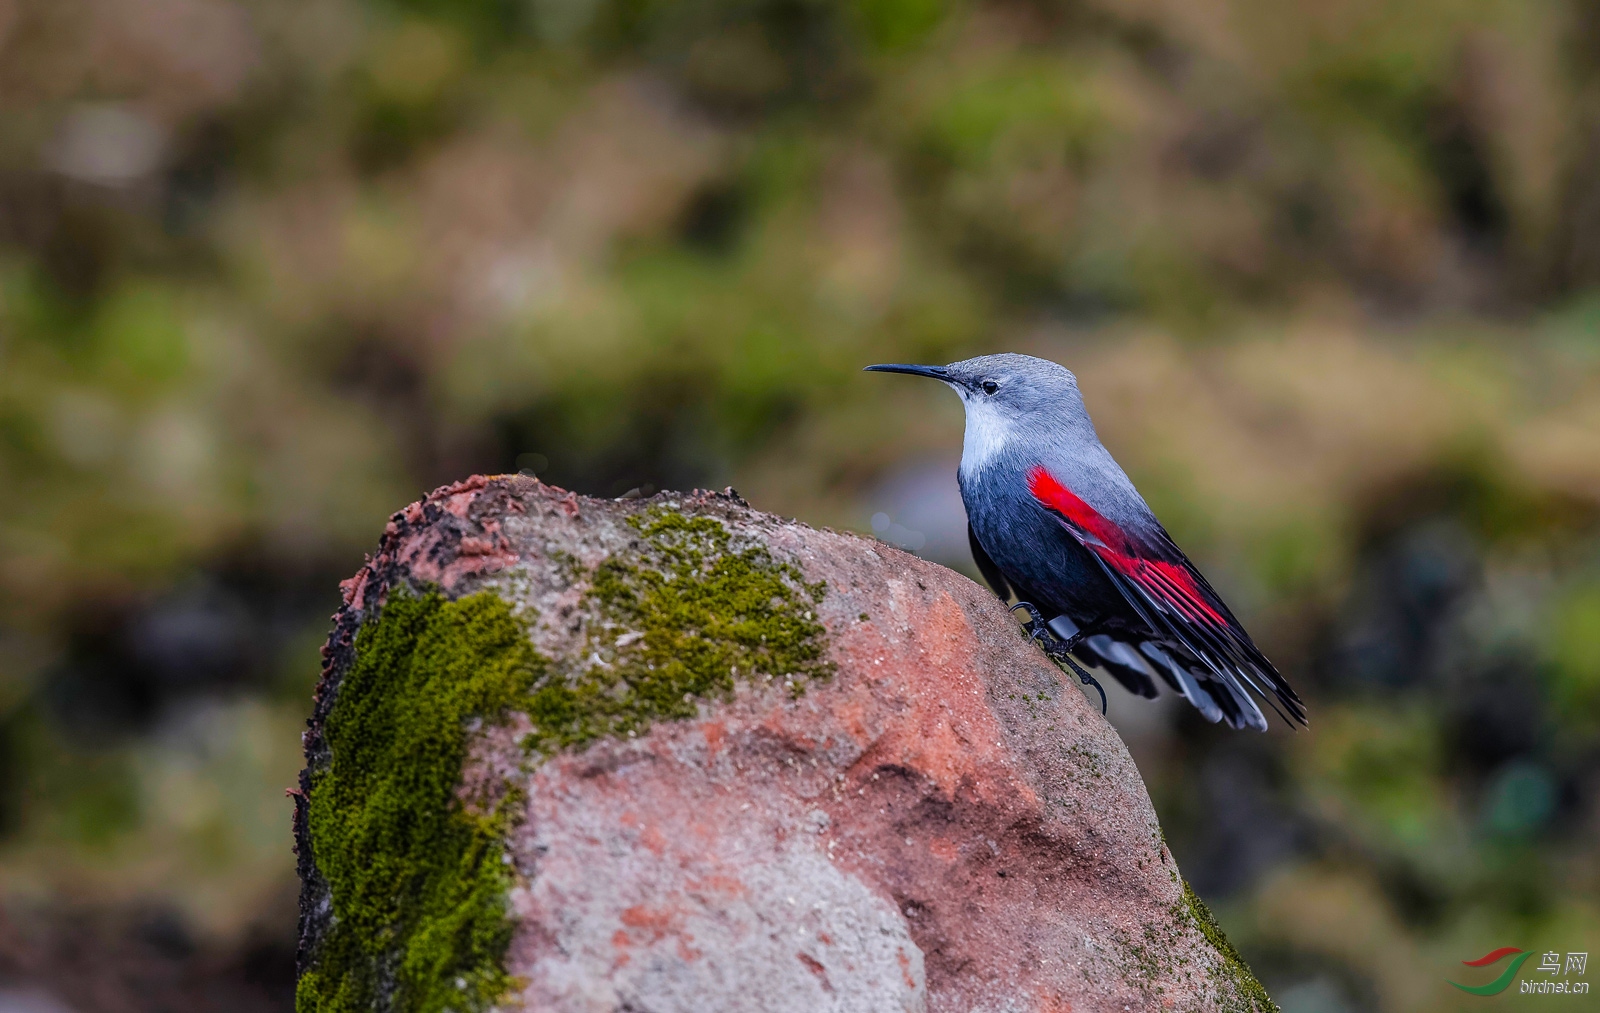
944	825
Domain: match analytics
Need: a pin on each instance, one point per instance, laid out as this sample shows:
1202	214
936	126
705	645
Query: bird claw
1058	649
1033	611
1088	680
1040	631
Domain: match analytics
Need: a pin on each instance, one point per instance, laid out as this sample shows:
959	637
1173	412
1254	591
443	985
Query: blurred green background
1329	274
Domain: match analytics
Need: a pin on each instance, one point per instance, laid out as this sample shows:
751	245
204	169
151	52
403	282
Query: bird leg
1037	628
1053	645
1061	650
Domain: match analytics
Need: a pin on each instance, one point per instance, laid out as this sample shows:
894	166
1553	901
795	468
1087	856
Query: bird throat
988	433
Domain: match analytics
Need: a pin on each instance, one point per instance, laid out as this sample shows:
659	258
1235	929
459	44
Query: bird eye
989	386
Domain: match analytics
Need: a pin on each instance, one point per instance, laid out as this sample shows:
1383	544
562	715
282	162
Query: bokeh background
1329	273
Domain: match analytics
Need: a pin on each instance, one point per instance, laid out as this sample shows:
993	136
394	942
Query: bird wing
1199	640
986	566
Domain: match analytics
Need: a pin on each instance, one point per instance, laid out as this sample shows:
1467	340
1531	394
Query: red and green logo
1501	983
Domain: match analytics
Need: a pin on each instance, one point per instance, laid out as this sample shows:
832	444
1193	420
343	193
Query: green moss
1248	993
570	567
681	620
1085	760
416	878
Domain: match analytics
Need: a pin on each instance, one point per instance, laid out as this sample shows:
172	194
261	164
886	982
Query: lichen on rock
415	874
680	618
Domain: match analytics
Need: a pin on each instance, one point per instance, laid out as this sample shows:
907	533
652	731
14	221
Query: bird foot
1088	680
1040	631
1058	650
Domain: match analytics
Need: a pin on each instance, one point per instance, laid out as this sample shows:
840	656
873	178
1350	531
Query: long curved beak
937	372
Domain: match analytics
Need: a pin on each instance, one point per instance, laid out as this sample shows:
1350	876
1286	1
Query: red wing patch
1169	583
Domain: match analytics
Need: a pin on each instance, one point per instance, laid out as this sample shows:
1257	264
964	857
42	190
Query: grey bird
1052	517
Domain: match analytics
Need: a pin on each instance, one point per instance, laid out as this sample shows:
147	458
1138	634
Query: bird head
1007	397
1006	385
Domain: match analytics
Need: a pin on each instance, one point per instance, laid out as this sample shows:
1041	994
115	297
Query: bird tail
1137	664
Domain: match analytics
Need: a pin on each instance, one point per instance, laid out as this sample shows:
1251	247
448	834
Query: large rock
675	755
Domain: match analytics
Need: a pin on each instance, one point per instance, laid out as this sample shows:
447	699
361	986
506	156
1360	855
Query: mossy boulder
675	754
